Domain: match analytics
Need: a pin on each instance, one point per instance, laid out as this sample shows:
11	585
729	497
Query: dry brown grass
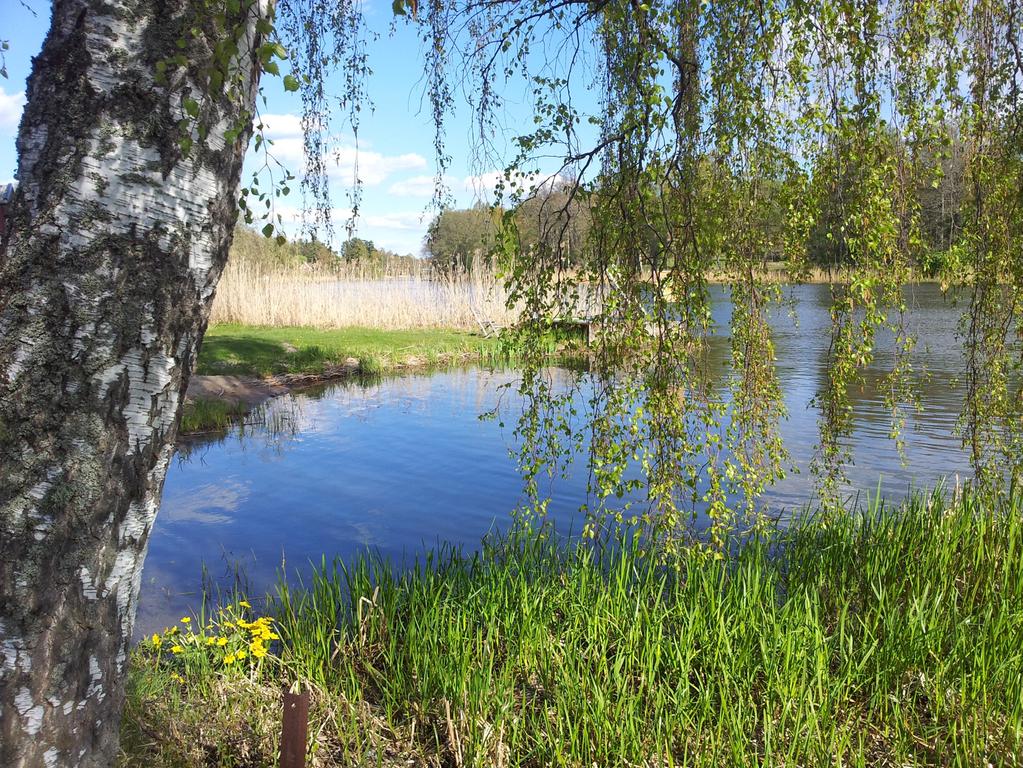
236	722
351	295
356	295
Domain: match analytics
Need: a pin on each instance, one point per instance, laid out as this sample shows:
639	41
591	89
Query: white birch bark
105	288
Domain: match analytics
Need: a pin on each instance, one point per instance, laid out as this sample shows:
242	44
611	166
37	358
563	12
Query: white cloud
343	160
292	216
211	505
280	126
11	106
401	175
400	231
484	185
417	186
404	221
372	168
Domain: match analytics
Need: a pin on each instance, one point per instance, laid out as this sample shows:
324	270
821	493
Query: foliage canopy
878	135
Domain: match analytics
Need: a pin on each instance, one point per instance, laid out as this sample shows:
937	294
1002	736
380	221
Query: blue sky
395	155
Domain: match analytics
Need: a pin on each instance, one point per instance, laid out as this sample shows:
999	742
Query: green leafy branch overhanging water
731	133
722	135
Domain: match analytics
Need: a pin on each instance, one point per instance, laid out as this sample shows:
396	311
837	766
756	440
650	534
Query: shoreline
214	401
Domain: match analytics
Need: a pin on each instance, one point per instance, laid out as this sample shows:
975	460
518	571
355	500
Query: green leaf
191	107
268	230
398	7
272	68
290	83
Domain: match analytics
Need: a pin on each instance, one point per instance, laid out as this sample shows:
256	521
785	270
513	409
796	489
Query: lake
404	463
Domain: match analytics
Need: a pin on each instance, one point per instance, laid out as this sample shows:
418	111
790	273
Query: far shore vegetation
457	283
868	636
302	311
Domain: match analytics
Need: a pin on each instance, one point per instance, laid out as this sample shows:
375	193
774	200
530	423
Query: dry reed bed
358	295
351	295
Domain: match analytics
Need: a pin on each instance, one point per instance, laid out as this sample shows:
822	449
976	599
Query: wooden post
295	729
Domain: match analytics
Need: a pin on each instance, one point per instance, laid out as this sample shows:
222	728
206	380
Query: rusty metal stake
295	729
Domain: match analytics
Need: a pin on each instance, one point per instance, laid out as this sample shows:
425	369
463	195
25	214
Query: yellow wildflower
177	649
210	640
185	620
244	604
221	641
157	640
176	676
229	659
241	654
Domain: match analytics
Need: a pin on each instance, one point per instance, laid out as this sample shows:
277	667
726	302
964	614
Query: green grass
240	349
892	638
209	415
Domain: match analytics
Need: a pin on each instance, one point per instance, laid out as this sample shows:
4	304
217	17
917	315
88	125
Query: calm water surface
405	463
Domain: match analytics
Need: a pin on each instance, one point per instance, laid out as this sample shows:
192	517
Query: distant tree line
251	247
559	217
553	216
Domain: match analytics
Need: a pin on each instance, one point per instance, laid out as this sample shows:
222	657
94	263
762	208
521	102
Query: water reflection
403	463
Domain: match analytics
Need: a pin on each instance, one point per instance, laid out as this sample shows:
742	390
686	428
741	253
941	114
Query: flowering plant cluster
234	639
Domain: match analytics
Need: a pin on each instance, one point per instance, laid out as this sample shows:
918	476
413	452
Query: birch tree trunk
106	281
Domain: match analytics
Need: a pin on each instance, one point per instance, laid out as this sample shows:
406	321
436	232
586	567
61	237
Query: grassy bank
204	414
891	638
265	351
301	355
